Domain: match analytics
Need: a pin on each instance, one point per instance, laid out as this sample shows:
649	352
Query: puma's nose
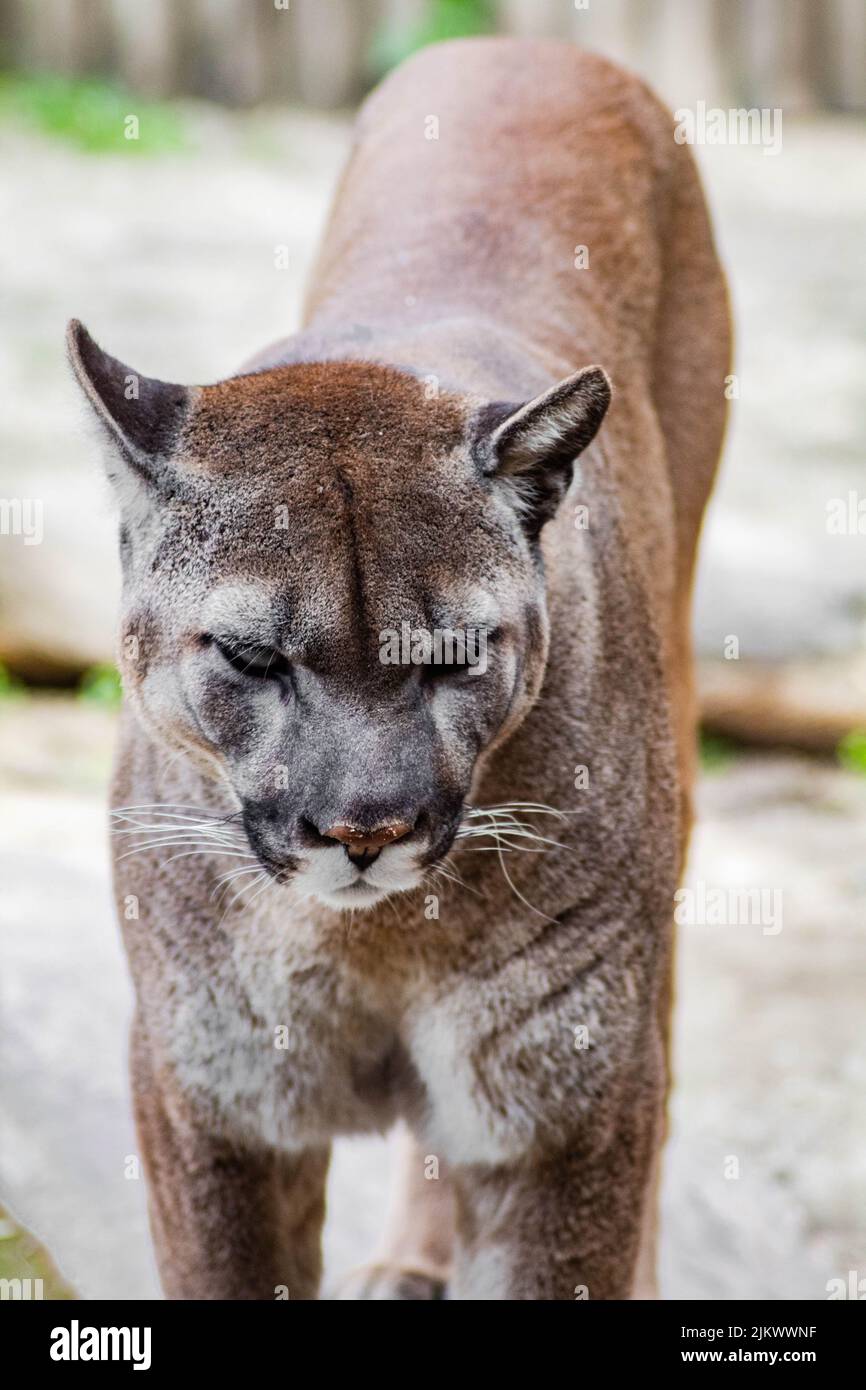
362	845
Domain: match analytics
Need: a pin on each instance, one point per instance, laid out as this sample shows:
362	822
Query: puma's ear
141	417
535	445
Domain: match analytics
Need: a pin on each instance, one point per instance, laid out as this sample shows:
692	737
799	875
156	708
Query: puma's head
288	539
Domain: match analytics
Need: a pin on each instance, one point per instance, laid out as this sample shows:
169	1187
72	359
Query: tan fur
446	285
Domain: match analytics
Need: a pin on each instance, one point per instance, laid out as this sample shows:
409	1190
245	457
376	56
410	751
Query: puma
370	892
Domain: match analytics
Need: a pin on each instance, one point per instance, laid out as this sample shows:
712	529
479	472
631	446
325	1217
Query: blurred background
167	170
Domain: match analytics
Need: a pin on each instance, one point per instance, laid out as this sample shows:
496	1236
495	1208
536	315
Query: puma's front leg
415	1258
565	1225
229	1221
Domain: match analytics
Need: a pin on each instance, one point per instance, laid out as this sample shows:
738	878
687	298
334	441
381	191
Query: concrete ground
764	1180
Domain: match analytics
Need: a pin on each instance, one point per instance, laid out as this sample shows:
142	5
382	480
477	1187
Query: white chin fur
360	896
329	876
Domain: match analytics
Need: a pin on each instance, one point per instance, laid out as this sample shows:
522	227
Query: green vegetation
443	19
101	686
22	1257
715	752
852	751
10	687
95	115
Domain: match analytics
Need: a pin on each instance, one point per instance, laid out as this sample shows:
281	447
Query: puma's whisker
238	899
224	881
204	849
500	824
517	893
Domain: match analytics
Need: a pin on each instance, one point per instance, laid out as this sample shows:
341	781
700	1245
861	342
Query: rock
58	599
798	704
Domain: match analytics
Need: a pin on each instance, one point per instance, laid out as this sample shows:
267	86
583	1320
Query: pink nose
360	842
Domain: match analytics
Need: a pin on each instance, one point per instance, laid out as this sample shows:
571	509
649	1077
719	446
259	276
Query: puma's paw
391	1281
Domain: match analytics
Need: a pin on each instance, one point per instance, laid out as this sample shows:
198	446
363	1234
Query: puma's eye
261	662
462	658
440	670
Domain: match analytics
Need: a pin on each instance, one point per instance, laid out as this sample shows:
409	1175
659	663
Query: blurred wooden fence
798	54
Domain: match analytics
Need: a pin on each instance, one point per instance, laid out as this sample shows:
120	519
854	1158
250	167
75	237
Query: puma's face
333	595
